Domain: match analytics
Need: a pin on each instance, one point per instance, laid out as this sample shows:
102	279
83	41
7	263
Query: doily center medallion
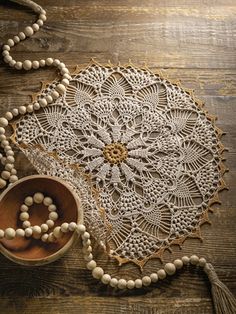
115	153
149	148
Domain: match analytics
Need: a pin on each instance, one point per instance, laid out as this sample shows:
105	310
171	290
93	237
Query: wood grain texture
191	40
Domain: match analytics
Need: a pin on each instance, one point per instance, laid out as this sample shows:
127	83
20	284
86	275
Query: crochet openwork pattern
149	149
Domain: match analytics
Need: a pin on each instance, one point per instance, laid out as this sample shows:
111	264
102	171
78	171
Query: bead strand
98	272
9	173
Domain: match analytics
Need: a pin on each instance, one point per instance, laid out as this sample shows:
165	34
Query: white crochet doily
150	151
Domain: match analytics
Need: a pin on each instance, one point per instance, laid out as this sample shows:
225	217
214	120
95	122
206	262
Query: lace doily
150	151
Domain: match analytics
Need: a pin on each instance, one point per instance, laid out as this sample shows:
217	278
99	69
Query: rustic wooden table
190	40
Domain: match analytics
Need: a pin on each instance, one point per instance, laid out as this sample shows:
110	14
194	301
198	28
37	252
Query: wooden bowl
29	251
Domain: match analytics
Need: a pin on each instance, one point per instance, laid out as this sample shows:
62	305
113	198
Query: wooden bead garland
27	65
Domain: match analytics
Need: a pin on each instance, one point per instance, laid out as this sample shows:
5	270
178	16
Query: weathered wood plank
92	305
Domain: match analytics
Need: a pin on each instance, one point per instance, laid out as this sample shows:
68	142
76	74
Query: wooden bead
22	109
35	64
60	88
2	130
24	208
7	59
55	94
113	282
10	233
30	108
38	198
146	280
44	227
18	65
194	259
42	62
67	76
13	171
72	226
138	283
10	159
43	17
86	235
3	122
154	277
6	47
50	223
170	268
81	228
9	116
161	274
5	53
2	233
16	39
5	175
28	31
12	63
9	167
65	82
51	238
88	248
86	242
26	224
178	263
28	201
53	216
106	279
2	137
36	230
88	257
44	237
61	65
36	106
64	227
202	262
52	208
27	65
122	284
4	143
3	183
57	232
20	233
98	272
49	99
91	265
24	216
43	102
10	42
22	36
8	149
3	161
47	201
39	22
9	152
64	71
49	61
28	232
13	179
56	62
130	284
35	27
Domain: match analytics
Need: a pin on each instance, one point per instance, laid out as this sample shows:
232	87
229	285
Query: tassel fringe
224	301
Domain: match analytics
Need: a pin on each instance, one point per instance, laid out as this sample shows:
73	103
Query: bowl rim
56	255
